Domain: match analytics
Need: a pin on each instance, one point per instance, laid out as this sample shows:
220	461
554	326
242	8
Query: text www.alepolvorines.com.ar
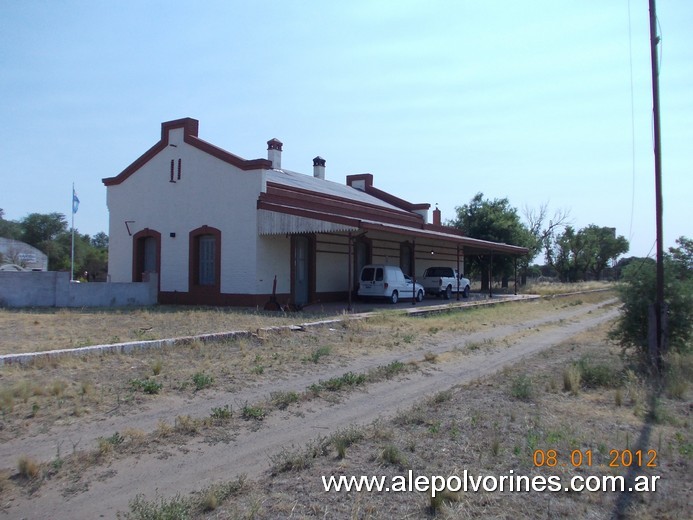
488	483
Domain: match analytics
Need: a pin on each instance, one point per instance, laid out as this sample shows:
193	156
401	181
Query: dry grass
51	329
52	390
481	429
27	467
553	288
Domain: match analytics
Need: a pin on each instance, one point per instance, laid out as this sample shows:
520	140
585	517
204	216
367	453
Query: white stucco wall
210	192
273	258
332	264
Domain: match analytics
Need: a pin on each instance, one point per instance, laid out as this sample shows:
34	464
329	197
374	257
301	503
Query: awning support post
515	275
413	271
458	272
350	285
490	276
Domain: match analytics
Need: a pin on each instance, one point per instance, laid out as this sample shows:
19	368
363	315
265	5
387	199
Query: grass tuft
256	413
342	439
522	388
282	400
27	467
392	455
148	386
571	379
223	413
202	380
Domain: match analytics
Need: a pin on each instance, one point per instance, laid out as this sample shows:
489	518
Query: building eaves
190	128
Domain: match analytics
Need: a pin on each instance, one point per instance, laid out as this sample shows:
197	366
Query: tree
495	221
577	254
9	228
542	234
100	241
568	255
603	247
50	234
38	228
638	294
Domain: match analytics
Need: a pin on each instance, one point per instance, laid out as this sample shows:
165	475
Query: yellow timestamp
583	458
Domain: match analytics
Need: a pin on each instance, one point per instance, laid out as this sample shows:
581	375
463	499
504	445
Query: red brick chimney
436	217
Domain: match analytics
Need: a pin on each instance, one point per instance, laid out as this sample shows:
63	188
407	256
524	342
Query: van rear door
371	282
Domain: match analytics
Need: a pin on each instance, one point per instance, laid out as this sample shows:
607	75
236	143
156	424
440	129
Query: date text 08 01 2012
583	458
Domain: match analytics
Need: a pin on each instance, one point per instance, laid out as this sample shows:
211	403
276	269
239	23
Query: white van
387	281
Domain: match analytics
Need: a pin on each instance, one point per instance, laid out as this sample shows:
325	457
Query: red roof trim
356	208
220	153
383	195
395	201
190	129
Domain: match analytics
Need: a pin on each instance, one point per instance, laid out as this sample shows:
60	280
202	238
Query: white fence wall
54	289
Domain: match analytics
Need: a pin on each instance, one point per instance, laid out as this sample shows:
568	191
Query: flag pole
72	255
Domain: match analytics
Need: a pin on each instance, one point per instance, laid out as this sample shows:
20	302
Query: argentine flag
75	202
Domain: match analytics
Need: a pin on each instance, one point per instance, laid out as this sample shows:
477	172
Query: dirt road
103	490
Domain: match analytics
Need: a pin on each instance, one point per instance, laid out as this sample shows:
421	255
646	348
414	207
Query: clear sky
534	101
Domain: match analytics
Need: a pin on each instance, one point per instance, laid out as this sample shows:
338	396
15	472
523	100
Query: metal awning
275	223
276	219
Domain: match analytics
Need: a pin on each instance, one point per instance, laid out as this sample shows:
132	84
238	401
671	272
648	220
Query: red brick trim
332	204
137	266
383	195
190	128
204	291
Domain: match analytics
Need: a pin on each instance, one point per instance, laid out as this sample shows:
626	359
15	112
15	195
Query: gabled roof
315	199
190	128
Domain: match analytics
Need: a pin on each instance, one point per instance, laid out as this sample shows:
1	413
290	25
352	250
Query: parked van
387	281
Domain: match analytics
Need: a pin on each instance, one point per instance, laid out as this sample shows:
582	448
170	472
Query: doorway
301	269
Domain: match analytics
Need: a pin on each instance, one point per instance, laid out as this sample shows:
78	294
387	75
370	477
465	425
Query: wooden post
413	270
659	305
350	283
490	276
458	272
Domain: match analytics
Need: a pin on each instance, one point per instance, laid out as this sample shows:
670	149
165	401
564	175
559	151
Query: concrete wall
53	289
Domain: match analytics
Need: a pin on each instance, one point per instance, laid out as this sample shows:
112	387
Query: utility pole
659	309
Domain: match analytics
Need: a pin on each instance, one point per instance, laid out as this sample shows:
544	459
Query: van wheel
448	292
465	293
419	296
394	298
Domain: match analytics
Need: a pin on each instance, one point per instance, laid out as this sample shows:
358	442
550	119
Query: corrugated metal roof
310	183
274	223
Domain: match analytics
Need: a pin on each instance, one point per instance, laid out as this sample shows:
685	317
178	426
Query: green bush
148	386
596	375
638	292
522	388
253	412
221	413
202	380
282	400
